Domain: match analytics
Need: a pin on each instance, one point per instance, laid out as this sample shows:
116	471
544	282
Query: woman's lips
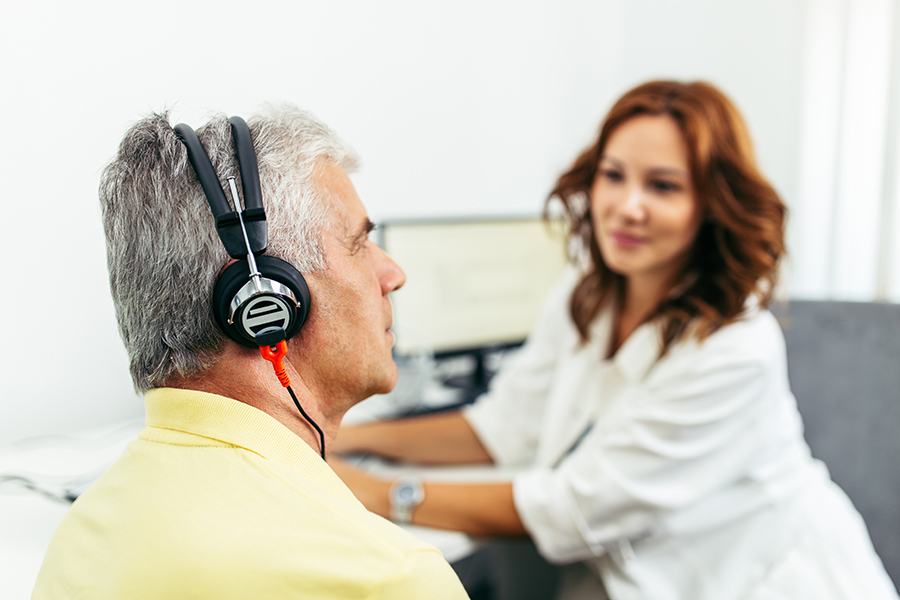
626	240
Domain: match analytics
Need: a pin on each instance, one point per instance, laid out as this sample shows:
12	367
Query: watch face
406	494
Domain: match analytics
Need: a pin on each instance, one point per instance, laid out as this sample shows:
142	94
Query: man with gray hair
225	493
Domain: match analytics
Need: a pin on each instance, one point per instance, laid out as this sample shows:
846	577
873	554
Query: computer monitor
471	284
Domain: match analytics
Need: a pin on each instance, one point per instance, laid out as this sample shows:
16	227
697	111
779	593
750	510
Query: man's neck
246	377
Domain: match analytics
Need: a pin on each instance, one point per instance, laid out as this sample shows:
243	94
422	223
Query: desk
59	465
27	522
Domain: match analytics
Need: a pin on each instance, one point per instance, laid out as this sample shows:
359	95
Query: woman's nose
632	206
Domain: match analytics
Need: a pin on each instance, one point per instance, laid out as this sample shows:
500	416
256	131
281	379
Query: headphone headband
228	223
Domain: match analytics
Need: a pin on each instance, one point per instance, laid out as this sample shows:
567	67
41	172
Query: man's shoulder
224	514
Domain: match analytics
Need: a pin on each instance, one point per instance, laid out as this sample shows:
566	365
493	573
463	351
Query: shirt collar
238	424
638	354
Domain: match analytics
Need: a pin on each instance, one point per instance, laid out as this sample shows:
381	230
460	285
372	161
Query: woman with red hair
660	449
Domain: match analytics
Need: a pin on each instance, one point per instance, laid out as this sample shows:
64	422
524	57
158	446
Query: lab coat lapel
589	384
572	406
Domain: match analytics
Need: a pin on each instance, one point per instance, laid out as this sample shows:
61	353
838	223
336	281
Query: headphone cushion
233	278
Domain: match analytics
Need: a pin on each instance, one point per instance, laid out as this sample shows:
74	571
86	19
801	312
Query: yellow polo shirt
216	499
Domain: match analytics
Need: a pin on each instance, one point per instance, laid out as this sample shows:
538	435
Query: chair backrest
844	367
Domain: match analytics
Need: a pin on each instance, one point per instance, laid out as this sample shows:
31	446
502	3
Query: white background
457	108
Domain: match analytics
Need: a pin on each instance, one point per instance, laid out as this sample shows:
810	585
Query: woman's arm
476	509
441	438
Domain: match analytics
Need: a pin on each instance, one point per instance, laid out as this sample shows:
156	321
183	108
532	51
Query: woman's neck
637	302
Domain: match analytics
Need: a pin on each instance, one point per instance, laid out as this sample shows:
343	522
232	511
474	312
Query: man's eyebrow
367	227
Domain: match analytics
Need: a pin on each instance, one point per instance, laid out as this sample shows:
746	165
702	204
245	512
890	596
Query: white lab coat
681	477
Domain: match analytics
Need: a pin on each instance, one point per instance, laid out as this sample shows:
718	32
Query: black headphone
259	300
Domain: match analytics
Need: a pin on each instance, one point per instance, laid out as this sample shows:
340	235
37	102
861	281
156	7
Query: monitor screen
470	283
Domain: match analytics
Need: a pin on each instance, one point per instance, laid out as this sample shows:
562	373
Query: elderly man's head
164	254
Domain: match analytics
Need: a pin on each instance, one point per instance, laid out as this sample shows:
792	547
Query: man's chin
384	384
391	377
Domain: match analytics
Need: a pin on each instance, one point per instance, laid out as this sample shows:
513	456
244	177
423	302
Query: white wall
847	209
457	108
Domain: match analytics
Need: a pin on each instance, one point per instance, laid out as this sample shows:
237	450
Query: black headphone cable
275	355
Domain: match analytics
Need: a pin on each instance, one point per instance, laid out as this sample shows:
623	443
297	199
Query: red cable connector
275	355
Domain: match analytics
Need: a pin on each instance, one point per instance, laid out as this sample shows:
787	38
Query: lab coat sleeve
507	419
683	432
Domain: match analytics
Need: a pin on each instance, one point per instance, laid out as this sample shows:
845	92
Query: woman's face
643	204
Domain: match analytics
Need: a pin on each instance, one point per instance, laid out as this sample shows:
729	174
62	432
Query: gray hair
162	248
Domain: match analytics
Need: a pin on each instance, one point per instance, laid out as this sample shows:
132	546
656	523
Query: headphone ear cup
246	320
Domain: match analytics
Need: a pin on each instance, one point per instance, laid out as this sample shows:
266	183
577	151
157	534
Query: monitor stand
476	382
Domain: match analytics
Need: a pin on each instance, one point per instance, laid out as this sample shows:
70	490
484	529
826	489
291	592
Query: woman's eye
664	186
612	174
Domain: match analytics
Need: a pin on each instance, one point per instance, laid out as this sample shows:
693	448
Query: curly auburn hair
740	242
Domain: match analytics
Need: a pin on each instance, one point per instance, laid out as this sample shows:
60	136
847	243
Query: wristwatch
406	494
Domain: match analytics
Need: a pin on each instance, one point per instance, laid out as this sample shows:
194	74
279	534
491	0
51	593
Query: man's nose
392	276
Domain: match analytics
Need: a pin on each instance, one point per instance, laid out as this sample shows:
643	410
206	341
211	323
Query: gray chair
844	367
